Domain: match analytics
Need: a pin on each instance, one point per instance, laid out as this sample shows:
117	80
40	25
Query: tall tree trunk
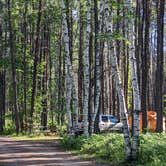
90	102
135	85
68	102
13	60
80	67
145	55
70	73
87	69
2	100
118	31
119	87
2	79
45	78
138	32
35	63
160	4
97	67
60	79
25	65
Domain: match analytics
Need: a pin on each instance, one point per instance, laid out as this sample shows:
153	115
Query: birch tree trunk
119	86
135	85
98	69
68	101
87	69
70	72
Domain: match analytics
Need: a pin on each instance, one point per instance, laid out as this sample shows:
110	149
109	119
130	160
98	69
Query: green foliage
109	148
71	143
153	149
4	62
105	147
52	126
62	130
114	36
9	127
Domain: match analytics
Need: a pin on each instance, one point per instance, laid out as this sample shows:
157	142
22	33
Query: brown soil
37	153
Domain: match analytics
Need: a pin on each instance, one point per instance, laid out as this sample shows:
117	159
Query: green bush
62	130
10	128
72	143
153	149
104	147
109	148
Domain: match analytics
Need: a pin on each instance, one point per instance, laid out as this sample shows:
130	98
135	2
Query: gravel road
37	153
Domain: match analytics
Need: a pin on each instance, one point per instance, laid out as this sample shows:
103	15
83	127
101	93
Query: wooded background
57	61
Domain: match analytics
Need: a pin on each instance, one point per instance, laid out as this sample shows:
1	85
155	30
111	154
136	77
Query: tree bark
119	87
160	4
2	79
45	77
13	60
87	69
135	85
97	68
35	63
145	55
70	73
80	67
25	65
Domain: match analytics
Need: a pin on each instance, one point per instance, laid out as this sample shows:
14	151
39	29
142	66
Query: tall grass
109	148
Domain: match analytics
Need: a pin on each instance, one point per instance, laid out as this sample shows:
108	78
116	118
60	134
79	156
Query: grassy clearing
33	137
109	148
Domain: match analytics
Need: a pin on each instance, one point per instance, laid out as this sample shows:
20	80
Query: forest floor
37	153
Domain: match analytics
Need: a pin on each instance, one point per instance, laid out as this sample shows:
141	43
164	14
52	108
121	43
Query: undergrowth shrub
62	130
9	128
72	143
153	149
109	148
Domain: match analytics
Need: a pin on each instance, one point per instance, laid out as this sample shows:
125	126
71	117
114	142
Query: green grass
109	148
35	137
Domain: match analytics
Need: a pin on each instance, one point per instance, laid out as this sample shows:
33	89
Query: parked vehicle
106	123
109	123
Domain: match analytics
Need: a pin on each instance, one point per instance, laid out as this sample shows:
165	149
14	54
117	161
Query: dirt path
36	153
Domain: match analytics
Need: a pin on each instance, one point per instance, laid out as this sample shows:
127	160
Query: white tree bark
135	86
119	86
70	73
98	69
68	102
87	69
